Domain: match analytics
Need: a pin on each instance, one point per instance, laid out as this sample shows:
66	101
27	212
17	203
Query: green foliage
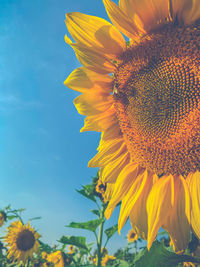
89	225
111	231
78	241
88	192
96	212
160	256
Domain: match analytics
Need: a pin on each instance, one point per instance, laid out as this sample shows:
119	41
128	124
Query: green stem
100	236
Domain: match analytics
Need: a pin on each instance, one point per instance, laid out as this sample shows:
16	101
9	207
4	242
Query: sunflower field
137	82
21	245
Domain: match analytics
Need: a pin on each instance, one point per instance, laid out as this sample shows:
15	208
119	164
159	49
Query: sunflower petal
159	205
138	215
100	122
96	33
124	181
84	80
151	13
120	19
177	223
194	187
107	153
93	103
129	201
112	170
91	59
187	11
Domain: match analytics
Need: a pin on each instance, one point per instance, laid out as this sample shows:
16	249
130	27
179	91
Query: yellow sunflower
22	241
2	218
132	236
144	96
56	258
107	259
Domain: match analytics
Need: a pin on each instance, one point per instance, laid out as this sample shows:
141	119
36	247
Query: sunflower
22	241
143	95
3	218
132	236
57	258
107	260
71	249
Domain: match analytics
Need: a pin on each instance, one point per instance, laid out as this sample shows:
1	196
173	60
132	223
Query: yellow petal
194	188
120	19
91	59
138	215
112	170
129	200
93	103
151	13
124	182
159	205
110	134
187	11
96	33
177	223
85	80
108	152
100	122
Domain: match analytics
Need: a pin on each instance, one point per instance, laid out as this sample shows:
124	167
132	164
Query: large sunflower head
144	96
22	241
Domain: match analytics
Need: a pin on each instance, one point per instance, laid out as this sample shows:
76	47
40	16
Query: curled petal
187	11
120	19
96	33
85	80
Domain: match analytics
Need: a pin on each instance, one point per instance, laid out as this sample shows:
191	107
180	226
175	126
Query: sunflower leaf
89	225
96	212
160	256
35	218
111	231
78	241
87	192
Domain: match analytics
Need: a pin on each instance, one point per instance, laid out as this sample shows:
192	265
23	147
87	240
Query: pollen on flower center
25	240
158	100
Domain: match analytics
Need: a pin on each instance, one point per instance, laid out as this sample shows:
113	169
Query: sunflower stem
100	236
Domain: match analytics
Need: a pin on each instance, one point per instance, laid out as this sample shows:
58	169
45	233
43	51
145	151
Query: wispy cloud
10	103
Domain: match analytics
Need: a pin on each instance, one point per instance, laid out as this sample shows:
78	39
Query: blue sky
43	156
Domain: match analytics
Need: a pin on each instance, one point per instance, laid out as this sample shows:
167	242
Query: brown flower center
158	100
25	240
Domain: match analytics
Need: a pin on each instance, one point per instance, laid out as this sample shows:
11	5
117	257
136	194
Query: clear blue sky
43	156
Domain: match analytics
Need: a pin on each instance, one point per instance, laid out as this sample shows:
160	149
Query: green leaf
96	212
89	225
35	218
10	217
160	256
78	241
7	207
123	263
87	191
111	231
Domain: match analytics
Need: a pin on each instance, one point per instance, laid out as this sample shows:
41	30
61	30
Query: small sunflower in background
3	218
71	250
107	260
144	97
132	236
57	258
22	241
